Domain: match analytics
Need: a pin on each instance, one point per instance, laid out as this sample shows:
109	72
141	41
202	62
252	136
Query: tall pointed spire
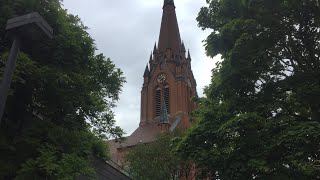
169	32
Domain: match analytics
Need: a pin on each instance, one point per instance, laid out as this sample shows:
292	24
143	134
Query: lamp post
26	28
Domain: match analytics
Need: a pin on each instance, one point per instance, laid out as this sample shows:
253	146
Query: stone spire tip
146	72
168	2
183	48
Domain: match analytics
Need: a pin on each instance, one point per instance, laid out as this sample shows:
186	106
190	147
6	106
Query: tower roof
169	32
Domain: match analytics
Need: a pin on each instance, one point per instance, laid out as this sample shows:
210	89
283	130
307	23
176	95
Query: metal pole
8	73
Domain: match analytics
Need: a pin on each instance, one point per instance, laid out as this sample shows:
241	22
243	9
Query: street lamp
29	27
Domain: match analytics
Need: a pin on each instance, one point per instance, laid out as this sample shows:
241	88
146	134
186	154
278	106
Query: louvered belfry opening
167	97
158	101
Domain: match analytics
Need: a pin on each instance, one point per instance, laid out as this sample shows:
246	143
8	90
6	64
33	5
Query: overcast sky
126	30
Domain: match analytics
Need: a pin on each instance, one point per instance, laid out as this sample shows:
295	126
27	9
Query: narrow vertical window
158	101
167	97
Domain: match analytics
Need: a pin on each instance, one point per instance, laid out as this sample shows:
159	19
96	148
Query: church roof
142	135
147	134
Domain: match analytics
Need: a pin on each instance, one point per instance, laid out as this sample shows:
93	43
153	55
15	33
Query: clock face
161	78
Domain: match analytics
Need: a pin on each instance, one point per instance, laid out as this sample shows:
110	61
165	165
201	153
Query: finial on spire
146	72
183	48
150	62
155	50
189	56
168	2
150	57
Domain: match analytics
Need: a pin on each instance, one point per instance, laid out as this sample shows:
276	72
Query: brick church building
167	89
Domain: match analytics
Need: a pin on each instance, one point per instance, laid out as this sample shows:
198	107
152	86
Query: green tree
157	160
60	104
261	114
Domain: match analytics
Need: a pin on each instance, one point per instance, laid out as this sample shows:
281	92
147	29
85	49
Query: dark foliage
261	116
60	99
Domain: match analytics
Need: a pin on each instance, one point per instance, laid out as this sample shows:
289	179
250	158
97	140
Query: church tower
168	77
167	89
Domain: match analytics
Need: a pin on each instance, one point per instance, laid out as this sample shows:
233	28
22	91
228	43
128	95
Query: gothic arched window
158	101
167	97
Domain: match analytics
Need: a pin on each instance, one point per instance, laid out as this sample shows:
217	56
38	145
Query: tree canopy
61	98
157	160
261	115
